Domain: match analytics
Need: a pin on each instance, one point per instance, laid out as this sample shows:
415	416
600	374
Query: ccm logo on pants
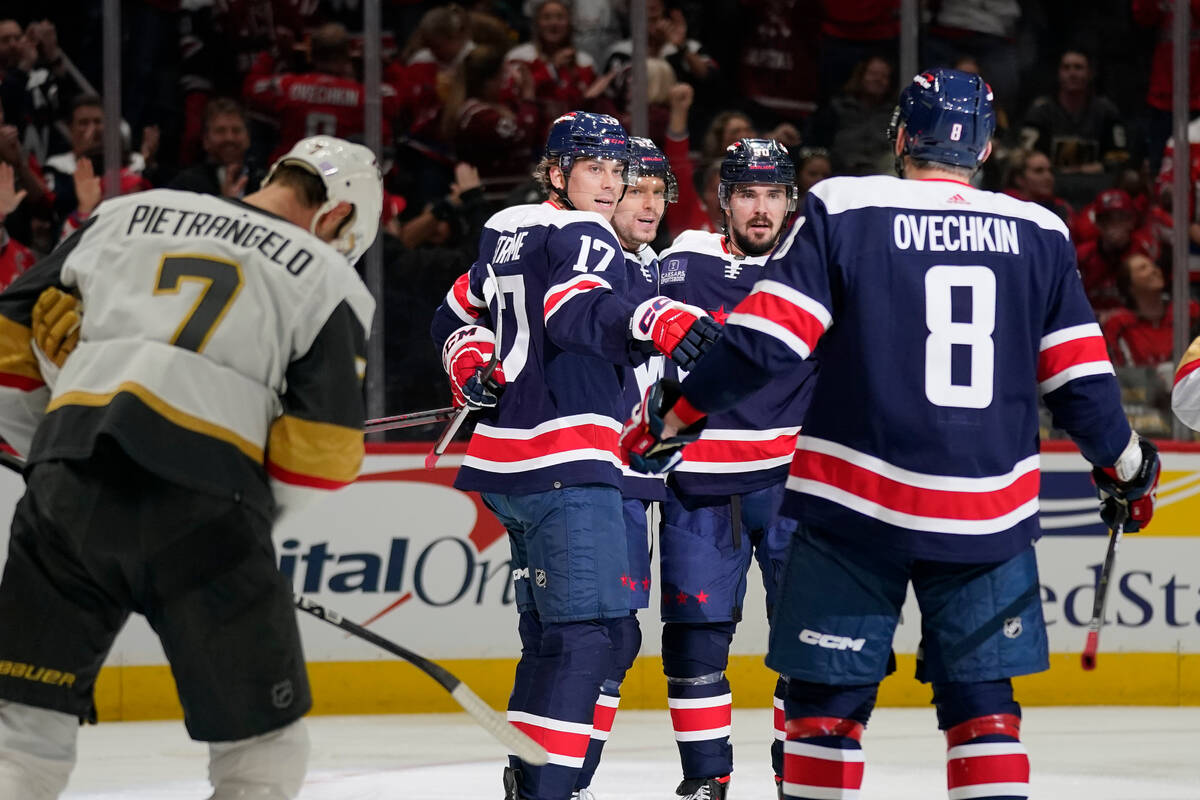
830	641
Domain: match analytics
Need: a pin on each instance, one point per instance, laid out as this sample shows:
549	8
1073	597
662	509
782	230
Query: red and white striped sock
606	712
779	719
985	759
697	719
566	743
822	759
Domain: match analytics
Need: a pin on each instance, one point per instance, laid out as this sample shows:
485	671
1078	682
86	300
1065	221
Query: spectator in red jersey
1158	14
1029	176
1140	335
328	100
496	137
15	257
852	31
224	171
849	126
689	212
434	51
1118	238
777	59
561	73
1166	178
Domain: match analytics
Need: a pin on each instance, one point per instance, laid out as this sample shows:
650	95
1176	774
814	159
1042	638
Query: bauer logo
674	270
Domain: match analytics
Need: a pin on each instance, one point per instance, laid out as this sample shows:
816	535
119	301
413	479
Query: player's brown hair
309	188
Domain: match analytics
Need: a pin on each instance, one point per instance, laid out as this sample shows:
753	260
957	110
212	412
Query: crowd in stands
213	89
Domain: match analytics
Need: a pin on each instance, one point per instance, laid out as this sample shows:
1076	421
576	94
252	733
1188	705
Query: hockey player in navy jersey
635	222
938	313
721	510
544	455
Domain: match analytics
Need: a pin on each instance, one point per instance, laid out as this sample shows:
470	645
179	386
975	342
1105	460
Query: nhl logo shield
282	694
539	577
1012	627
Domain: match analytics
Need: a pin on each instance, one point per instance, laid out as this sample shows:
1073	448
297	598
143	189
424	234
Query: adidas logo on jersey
958	199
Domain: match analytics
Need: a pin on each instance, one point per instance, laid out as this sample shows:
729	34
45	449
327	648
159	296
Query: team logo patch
1012	627
539	577
282	694
673	271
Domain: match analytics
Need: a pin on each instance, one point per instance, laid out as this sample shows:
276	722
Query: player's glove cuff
465	357
1136	495
642	443
681	331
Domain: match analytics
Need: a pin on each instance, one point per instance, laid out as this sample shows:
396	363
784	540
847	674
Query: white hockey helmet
350	174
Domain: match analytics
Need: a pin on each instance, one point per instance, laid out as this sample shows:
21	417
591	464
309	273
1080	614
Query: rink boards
425	565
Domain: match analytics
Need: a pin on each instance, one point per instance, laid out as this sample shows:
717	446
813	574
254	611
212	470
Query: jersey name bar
165	221
960	232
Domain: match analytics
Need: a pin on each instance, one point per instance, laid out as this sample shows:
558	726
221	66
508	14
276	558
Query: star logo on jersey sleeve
720	315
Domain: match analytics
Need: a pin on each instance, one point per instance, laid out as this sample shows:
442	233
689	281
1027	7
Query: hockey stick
447	436
1088	658
409	420
491	721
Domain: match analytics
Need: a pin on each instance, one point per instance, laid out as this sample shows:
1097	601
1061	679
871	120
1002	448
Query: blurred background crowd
212	90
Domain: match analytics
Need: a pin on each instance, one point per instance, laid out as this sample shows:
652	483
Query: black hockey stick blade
409	420
12	461
1092	644
491	721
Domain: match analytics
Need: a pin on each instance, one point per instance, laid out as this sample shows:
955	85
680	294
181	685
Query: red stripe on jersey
559	743
576	437
701	719
915	500
461	290
1187	369
811	727
553	301
1054	360
975	770
727	451
299	479
20	382
812	771
603	719
782	312
990	725
779	721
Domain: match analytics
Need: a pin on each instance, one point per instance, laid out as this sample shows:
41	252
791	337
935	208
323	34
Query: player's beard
749	248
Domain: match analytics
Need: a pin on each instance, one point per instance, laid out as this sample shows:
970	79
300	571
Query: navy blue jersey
937	312
564	344
750	446
641	283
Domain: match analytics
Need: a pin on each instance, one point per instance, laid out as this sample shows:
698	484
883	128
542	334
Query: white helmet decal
350	174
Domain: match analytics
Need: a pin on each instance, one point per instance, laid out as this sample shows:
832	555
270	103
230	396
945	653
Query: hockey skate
703	788
511	777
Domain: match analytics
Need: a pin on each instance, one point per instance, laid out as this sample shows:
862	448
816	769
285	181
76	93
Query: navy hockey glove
681	331
642	442
1137	493
465	357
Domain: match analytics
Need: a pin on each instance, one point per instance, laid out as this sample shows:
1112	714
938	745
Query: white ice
1087	753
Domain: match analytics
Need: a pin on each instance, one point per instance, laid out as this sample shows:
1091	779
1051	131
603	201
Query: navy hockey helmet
650	162
581	134
757	161
947	117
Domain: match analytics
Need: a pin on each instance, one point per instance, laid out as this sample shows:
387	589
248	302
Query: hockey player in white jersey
938	313
216	385
1185	395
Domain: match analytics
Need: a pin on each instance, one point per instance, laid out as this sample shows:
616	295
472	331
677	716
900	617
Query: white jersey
217	340
1185	397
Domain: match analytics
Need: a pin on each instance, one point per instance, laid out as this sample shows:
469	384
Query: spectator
560	72
1166	178
851	32
327	101
813	165
595	26
688	212
1159	14
89	192
1080	131
725	129
86	127
434	51
1118	238
984	28
15	257
1140	335
1030	177
853	125
226	141
37	84
497	137
777	59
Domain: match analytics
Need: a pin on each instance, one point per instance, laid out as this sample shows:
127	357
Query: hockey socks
822	759
702	717
985	759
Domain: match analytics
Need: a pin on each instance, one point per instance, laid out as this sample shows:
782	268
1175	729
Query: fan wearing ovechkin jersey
721	509
938	313
551	279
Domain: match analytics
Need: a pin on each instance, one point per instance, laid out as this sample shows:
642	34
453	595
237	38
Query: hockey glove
56	321
465	357
642	442
681	331
1137	493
